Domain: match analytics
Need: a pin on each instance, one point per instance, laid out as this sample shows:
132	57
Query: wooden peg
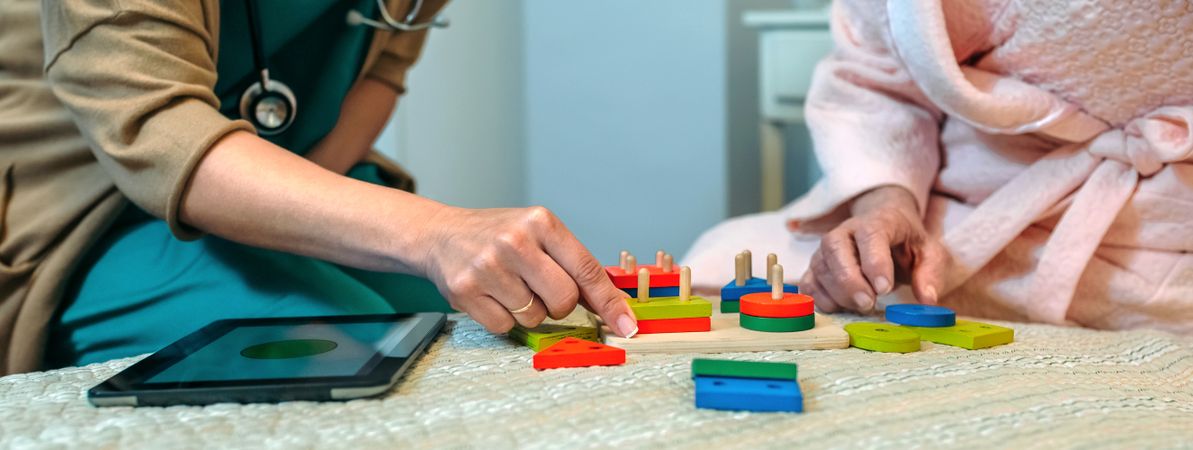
643	285
749	263
631	264
685	283
771	260
658	258
621	261
776	287
668	263
739	266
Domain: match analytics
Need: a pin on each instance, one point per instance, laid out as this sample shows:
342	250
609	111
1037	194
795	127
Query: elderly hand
859	259
491	263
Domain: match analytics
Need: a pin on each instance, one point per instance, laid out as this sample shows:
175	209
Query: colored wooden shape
746	394
670	291
545	335
967	334
917	315
762	305
727	336
880	337
658	278
684	325
732	291
702	367
572	352
730	306
777	325
670	308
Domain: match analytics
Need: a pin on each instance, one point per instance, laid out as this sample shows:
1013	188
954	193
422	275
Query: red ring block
760	304
685	325
658	278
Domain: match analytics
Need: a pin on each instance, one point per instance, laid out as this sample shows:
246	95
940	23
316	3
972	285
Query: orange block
760	304
658	278
685	325
572	352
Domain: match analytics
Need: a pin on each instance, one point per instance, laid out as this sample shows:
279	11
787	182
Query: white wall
625	119
460	127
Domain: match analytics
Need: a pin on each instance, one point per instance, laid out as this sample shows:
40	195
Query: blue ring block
672	291
748	394
921	315
732	291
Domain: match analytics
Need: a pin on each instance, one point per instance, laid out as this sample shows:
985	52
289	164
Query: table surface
1053	387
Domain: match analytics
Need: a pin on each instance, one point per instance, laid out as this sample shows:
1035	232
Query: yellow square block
670	308
966	334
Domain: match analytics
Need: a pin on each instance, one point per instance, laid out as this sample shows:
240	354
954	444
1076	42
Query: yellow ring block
881	337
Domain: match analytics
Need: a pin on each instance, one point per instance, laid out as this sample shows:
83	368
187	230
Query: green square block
545	335
966	334
729	306
670	308
743	369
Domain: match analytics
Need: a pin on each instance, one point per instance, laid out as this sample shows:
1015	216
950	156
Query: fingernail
863	301
882	285
627	326
930	295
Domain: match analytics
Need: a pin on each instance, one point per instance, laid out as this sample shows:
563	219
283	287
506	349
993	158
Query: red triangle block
572	352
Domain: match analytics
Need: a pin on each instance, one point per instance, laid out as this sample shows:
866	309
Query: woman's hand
489	262
859	259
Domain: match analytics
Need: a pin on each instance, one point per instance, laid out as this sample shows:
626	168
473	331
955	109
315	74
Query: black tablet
275	360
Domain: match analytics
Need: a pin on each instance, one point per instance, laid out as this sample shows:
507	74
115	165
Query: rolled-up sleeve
138	79
402	49
870	123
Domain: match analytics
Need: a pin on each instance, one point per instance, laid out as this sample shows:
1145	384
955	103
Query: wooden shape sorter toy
726	336
662	274
545	335
572	352
966	334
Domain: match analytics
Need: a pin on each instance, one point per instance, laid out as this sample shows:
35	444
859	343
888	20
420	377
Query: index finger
600	295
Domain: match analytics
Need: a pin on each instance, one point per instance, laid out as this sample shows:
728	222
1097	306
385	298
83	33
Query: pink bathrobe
1049	144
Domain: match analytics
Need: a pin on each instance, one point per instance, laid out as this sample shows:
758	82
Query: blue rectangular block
732	291
672	291
747	394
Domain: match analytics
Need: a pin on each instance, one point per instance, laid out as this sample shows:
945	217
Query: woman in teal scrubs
290	238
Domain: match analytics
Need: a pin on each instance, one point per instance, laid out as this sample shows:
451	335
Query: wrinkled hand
489	262
858	259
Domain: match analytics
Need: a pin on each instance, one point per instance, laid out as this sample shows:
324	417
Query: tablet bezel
380	370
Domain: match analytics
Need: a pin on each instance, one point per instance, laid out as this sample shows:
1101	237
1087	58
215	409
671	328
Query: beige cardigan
103	102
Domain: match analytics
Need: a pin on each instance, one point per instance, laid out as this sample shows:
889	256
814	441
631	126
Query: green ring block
778	325
730	306
744	369
967	335
546	335
881	337
670	308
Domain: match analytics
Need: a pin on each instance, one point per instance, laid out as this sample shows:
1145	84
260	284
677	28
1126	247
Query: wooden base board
727	336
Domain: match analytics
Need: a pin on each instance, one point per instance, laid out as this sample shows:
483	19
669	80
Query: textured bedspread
1054	387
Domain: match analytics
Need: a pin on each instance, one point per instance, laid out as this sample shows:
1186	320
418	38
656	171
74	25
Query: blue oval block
921	315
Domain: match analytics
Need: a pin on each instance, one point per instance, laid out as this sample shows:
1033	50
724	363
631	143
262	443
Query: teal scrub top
308	46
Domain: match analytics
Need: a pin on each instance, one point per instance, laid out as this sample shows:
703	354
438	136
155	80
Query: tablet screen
287	351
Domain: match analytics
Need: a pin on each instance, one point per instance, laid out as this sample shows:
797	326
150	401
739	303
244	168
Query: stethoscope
269	104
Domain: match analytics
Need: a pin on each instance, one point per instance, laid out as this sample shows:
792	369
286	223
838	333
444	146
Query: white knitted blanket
1054	387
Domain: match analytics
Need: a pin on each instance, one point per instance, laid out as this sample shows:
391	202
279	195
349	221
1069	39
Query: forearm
250	191
363	115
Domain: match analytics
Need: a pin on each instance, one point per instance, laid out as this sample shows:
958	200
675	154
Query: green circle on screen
291	348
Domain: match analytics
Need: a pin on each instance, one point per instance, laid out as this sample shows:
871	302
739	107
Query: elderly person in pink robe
1019	160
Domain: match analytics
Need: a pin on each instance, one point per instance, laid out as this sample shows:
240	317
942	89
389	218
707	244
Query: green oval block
880	337
967	335
778	325
670	308
743	369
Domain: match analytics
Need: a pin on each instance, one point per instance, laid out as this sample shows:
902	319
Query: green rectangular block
966	334
728	306
743	369
670	308
544	335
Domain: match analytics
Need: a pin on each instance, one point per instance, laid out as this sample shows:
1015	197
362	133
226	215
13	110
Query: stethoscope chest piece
269	105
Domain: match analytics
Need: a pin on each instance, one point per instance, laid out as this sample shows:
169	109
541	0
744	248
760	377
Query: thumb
610	304
927	275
